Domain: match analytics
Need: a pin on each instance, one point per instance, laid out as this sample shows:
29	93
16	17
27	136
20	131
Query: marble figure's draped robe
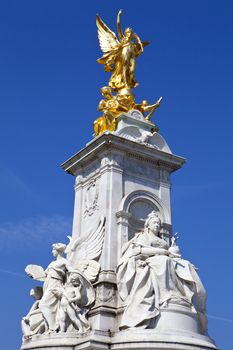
147	283
55	277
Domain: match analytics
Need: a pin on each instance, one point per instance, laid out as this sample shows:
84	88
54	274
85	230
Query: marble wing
88	246
90	268
83	252
158	141
36	272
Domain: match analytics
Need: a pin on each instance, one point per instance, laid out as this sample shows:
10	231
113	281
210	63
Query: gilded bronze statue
119	58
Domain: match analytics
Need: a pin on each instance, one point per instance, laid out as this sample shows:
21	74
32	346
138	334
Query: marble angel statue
53	277
120	54
60	283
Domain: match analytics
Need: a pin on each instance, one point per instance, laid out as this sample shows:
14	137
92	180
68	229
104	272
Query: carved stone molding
141	203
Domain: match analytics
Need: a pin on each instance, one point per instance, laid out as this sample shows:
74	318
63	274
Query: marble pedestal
124	176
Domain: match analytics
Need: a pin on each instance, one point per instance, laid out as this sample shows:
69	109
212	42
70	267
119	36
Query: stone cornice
110	142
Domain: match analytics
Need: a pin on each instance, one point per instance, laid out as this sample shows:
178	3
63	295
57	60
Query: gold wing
107	39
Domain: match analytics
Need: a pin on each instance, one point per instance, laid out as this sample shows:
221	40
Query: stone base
68	341
178	318
176	328
151	339
129	339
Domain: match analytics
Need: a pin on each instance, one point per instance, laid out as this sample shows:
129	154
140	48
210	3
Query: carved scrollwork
91	198
114	159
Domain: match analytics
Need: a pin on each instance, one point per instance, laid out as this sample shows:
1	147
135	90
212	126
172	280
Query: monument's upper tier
119	58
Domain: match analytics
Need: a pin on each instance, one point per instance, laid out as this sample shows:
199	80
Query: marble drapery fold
149	275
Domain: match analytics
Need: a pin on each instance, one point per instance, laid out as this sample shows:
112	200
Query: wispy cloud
12	180
13	273
198	189
34	231
220	318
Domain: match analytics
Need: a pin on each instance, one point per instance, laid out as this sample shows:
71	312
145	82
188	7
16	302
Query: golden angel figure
119	56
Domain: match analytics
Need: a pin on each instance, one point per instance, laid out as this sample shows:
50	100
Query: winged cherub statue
119	56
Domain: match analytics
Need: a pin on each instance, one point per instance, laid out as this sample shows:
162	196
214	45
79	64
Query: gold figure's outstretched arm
152	108
119	30
145	107
135	36
139	44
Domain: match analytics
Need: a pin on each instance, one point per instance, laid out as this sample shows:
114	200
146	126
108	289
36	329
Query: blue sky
49	91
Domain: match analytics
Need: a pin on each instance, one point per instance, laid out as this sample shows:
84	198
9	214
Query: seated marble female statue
150	275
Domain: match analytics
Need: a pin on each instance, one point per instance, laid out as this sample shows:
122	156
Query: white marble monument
120	282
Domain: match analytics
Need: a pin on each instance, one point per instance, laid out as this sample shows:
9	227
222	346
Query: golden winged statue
120	54
119	58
